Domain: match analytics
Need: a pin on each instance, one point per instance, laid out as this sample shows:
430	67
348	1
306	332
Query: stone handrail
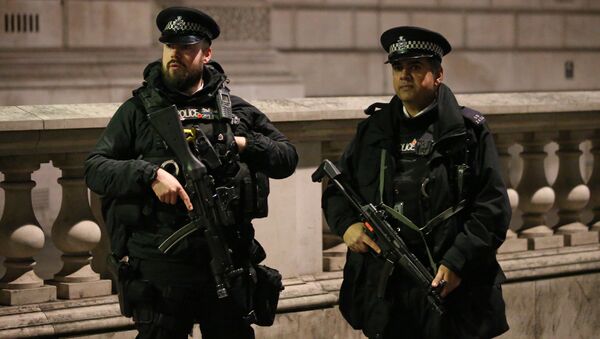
320	128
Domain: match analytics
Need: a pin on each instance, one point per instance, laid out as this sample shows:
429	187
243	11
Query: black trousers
184	295
470	313
411	317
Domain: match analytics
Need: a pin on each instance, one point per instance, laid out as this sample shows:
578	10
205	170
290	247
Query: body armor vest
209	131
410	179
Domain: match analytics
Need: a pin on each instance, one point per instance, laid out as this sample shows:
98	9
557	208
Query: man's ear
206	55
439	78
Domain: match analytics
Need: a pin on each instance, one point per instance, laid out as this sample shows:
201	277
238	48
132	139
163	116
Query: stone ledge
550	262
62	317
85	289
34	295
322	109
101	314
309	292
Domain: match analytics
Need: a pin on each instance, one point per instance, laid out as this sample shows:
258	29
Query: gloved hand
357	240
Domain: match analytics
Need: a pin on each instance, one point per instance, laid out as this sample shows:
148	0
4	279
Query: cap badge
402	45
176	25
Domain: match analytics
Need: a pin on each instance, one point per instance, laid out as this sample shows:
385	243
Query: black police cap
182	25
407	42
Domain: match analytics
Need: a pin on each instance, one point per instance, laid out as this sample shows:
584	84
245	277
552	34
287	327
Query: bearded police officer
144	201
428	158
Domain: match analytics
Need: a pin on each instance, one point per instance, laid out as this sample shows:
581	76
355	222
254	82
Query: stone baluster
536	197
594	182
572	195
76	233
21	237
512	242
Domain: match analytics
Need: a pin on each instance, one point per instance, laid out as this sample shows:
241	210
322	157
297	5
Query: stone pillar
572	195
512	243
21	236
594	182
76	233
292	234
536	197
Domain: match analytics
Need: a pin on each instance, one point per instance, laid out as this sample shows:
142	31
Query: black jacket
466	243
121	166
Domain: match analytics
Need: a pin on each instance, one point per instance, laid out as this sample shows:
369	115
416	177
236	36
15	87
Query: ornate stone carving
242	23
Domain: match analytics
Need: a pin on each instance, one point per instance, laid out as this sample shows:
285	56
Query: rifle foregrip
394	249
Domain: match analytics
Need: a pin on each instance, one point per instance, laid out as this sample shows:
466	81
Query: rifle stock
393	248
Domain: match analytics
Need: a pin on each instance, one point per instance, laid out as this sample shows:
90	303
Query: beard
181	79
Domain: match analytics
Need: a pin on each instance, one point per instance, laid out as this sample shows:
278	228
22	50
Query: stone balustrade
554	231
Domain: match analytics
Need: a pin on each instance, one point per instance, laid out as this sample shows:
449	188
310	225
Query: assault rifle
210	204
393	249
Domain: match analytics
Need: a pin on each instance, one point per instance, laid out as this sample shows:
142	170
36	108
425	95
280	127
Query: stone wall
551	265
77	51
86	51
498	45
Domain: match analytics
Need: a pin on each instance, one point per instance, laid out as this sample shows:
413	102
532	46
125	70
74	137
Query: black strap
430	226
445	215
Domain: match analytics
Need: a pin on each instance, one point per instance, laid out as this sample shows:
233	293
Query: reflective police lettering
188	113
409	146
195	113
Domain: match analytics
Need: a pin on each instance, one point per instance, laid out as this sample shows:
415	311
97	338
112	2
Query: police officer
435	162
144	200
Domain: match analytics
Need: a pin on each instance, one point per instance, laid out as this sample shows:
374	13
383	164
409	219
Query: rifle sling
431	224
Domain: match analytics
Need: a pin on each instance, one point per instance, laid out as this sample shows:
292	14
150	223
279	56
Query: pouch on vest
121	215
131	291
254	187
266	295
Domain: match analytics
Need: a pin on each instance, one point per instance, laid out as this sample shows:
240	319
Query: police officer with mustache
435	163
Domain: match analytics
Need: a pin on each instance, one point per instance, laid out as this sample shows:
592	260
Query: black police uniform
175	290
442	158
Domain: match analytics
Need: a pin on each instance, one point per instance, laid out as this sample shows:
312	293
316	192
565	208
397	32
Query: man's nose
404	73
175	52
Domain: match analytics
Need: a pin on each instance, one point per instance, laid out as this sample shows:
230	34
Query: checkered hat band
179	26
422	45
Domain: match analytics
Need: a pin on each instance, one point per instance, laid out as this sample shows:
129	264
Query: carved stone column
594	183
536	197
21	237
572	195
76	233
302	223
512	243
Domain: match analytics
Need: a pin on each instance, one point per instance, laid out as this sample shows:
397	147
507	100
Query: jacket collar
448	129
450	122
213	76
